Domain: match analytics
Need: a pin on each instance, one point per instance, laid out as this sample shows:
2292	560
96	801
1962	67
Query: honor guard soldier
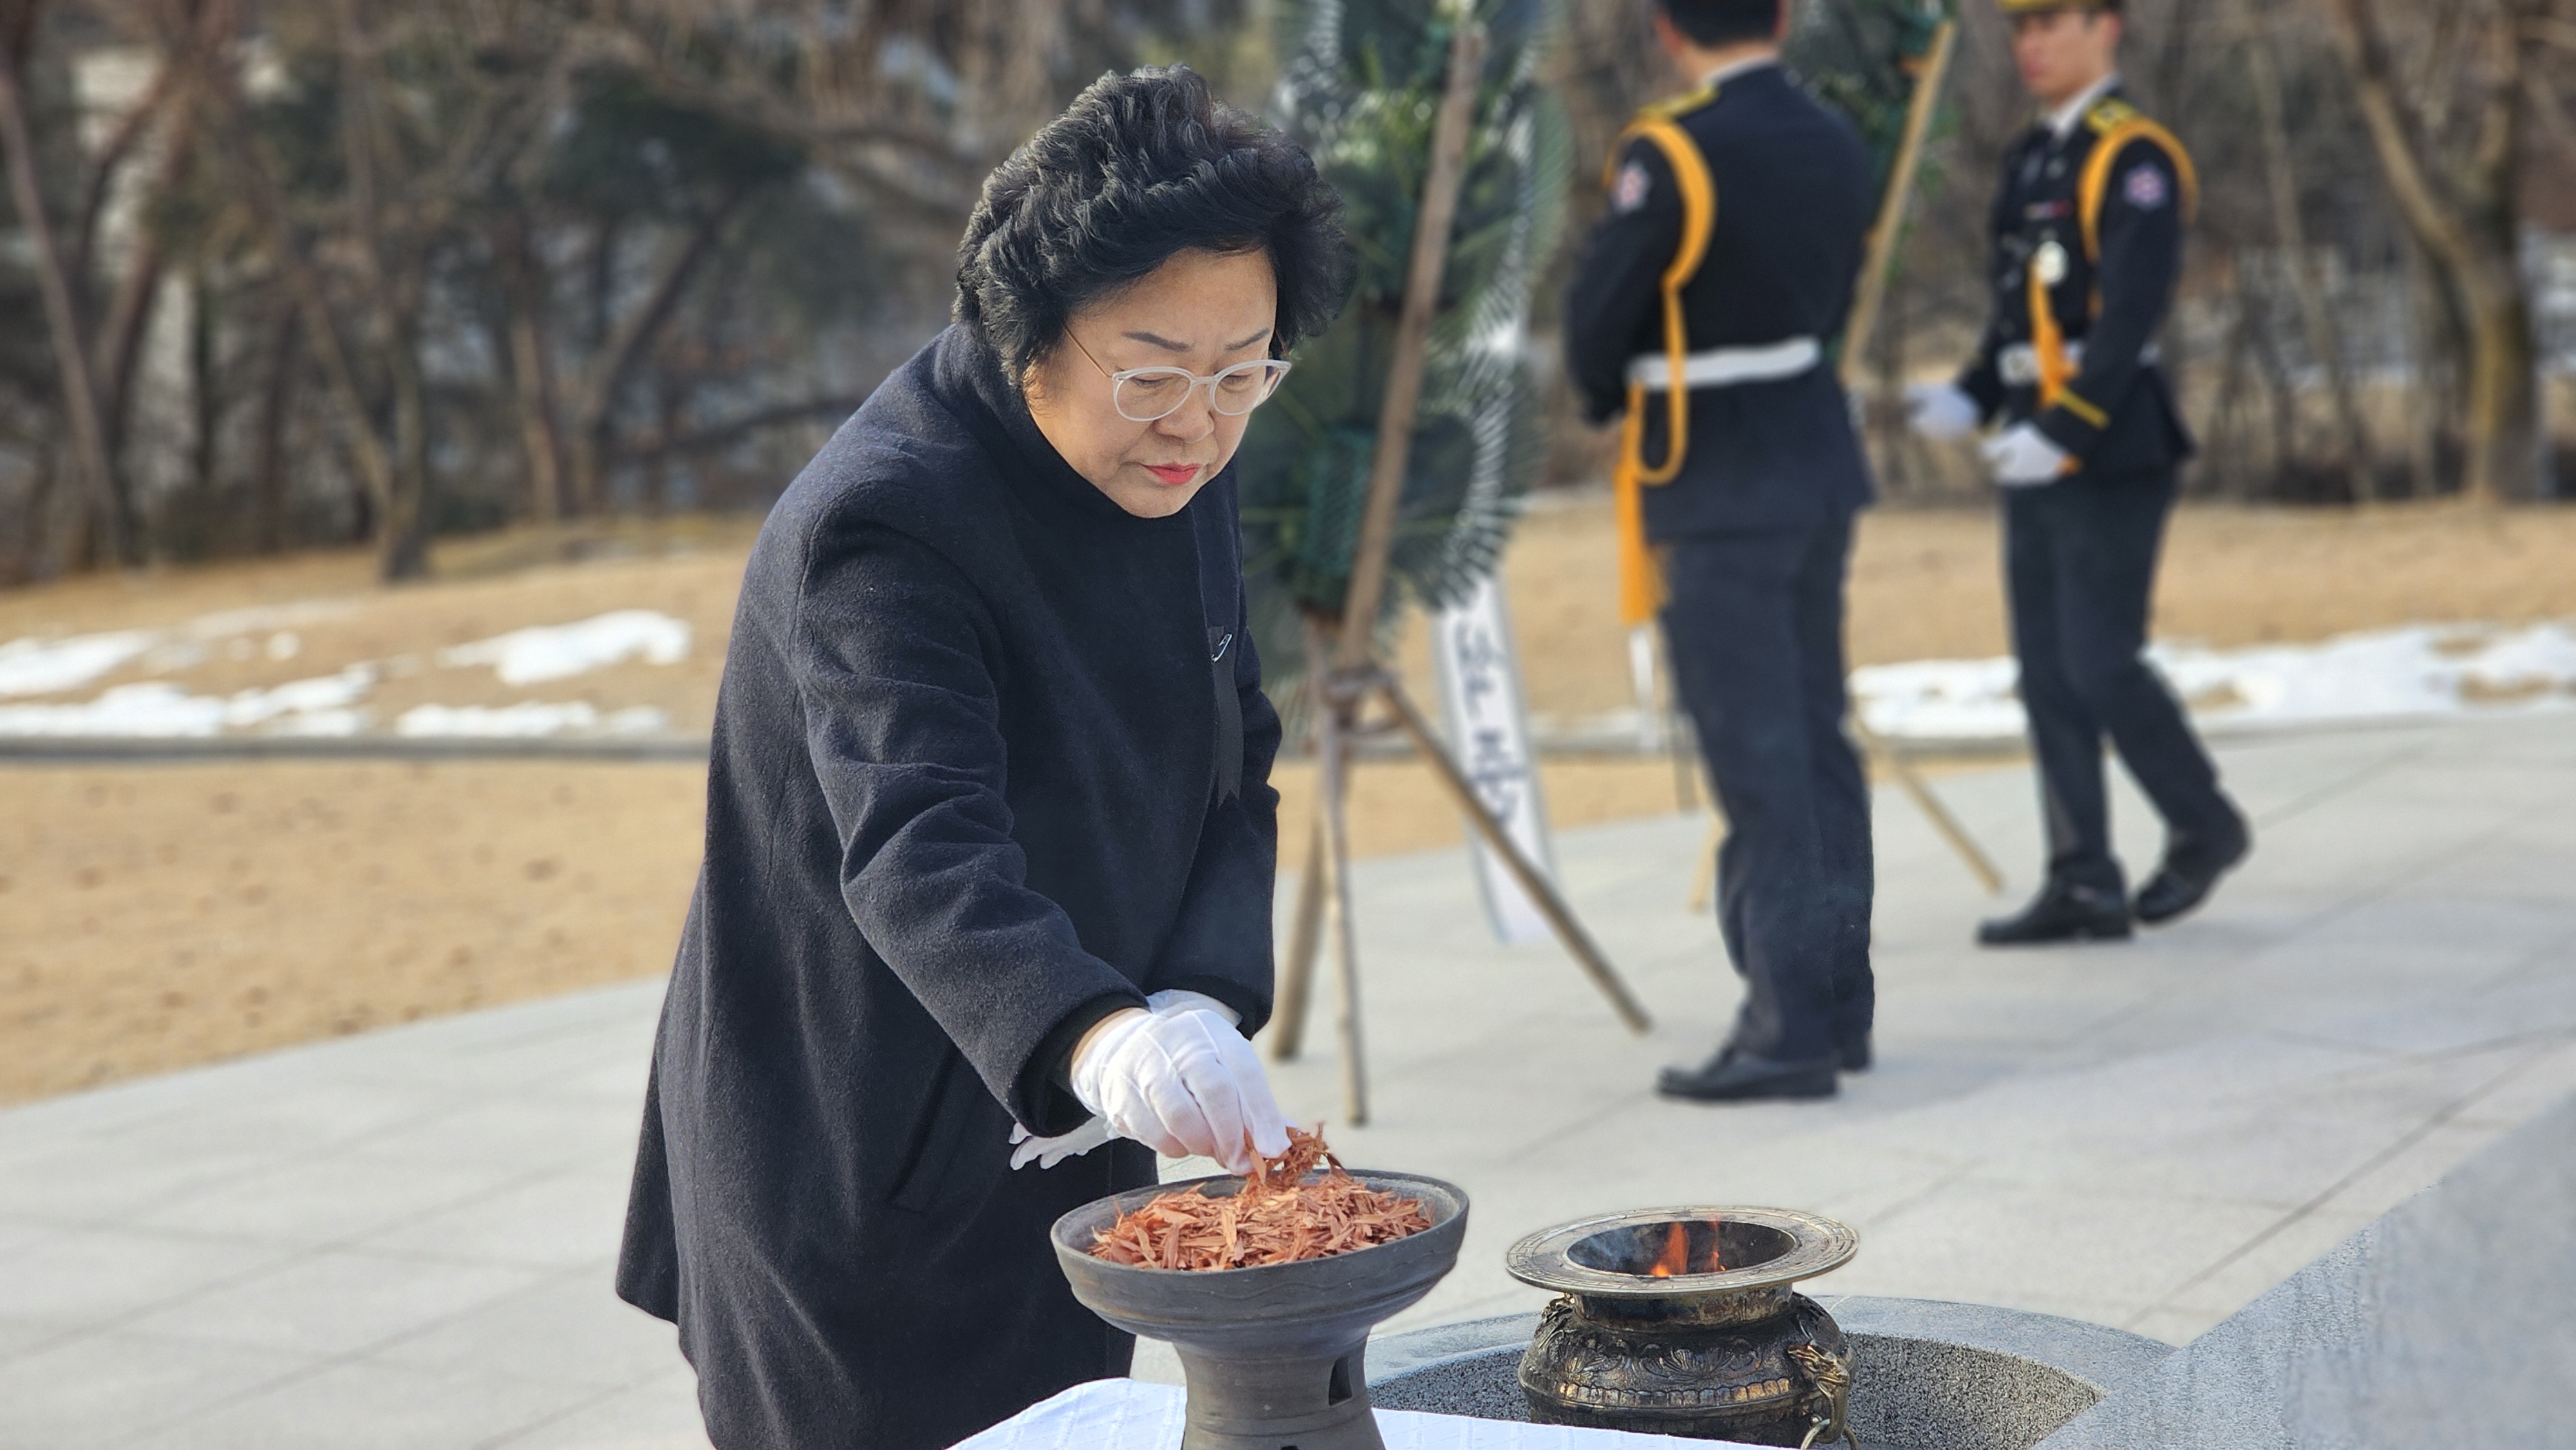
2088	229
1702	310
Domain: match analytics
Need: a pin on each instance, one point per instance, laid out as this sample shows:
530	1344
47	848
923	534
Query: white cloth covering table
1135	1415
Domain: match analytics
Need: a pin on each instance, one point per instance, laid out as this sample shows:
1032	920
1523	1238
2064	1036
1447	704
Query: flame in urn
1676	1257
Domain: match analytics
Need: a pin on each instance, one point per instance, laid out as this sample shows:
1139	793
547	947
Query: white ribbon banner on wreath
1480	694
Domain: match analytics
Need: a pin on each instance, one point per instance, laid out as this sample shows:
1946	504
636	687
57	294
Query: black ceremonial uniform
2088	231
1753	531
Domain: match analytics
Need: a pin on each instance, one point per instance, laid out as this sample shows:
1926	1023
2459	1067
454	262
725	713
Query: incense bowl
1274	1355
1681	1321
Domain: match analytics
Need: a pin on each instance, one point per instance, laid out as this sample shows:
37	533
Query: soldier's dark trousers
2080	558
1754	625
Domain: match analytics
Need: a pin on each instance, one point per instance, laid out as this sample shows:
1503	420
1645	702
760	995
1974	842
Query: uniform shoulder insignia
1673	108
1629	190
2108	114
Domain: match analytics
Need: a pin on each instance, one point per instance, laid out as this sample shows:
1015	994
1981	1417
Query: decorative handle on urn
1829	1376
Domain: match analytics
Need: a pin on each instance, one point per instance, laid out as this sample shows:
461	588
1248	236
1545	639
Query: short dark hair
1723	22
1139	168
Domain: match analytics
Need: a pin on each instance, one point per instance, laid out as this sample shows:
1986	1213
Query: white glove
1180	1083
1171	1000
2022	457
1048	1152
1941	411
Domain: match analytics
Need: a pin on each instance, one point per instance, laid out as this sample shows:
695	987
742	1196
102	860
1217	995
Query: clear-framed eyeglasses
1149	395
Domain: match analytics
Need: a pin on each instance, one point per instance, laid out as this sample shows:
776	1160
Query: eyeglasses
1149	395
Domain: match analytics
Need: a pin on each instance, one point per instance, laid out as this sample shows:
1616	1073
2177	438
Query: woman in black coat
990	834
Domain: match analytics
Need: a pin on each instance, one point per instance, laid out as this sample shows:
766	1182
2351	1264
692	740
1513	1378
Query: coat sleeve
2141	260
890	647
1618	284
1221	943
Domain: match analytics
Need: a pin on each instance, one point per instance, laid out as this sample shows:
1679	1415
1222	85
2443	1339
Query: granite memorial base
2444	1323
1926	1375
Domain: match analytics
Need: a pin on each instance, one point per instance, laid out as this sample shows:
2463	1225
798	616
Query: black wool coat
991	760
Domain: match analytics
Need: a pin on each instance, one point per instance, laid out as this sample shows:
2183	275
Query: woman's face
1203	311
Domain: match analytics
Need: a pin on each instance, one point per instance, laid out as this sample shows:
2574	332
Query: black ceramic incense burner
1273	1355
1681	1321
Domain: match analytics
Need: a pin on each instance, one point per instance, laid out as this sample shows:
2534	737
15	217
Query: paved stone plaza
404	1239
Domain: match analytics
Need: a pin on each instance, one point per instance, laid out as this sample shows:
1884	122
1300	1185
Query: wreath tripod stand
1344	677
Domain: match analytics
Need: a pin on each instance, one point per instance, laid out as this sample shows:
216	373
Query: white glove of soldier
1941	411
2022	457
1180	1083
1048	1152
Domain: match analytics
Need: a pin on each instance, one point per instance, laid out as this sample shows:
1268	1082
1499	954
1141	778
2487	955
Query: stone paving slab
406	1238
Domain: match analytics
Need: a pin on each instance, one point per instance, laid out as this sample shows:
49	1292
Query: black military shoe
2062	913
2190	872
1852	1053
1734	1076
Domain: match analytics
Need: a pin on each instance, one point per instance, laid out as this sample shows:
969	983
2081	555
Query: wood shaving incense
1279	1216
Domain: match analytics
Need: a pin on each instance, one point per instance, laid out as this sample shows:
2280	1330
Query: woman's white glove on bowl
1180	1083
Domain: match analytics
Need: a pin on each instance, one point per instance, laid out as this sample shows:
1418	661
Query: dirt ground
154	916
157	916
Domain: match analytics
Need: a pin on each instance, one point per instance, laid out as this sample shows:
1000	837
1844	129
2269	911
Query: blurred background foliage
285	273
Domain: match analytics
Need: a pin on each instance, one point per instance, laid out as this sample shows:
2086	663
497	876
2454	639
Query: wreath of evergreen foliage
1360	87
1860	57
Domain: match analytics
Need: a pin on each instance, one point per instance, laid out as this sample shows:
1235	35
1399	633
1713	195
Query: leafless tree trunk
596	396
205	388
532	371
2325	340
257	184
394	301
138	290
2462	209
61	297
2226	451
30	559
110	159
2439	346
2281	406
276	410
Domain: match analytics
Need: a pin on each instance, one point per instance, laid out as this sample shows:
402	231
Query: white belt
1722	367
2018	364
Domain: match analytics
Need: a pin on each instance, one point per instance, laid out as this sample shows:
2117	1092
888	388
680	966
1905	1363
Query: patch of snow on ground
46	666
329	704
302	705
152	710
158	710
525	720
554	652
2412	673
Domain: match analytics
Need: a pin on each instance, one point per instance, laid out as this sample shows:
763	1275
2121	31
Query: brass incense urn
1681	1321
